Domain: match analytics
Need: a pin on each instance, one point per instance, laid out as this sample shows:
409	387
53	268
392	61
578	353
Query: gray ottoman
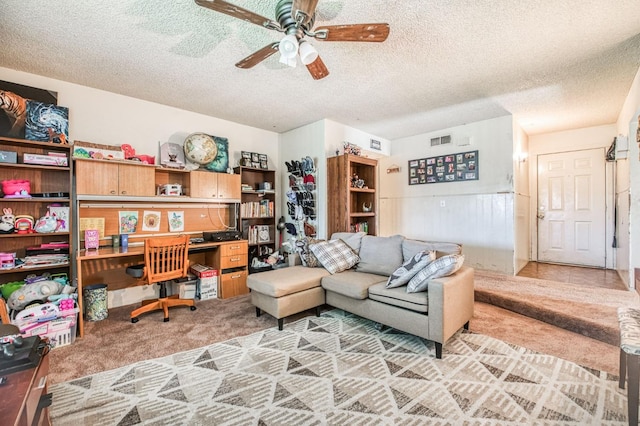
287	291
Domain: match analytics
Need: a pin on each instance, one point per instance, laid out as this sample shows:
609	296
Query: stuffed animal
7	222
46	224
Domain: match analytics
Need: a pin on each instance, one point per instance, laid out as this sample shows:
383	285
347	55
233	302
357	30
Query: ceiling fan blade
318	69
353	32
238	12
256	57
302	10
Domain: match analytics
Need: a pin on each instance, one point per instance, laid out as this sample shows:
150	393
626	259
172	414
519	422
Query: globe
200	148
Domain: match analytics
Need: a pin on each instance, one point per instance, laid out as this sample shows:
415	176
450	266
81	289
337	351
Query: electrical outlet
442	203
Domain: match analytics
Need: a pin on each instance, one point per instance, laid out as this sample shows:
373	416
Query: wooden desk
107	265
21	396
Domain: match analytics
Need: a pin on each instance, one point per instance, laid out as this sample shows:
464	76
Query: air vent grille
441	140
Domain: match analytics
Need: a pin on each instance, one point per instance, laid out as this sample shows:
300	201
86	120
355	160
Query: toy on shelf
7	222
16	188
7	260
46	224
24	224
130	154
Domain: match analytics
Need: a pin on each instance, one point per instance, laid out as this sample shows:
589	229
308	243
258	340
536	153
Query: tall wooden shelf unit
52	184
345	201
257	211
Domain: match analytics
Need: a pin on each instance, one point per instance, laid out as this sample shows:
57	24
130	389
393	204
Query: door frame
609	202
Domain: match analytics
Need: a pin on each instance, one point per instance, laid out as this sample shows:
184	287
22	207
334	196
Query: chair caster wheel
134	320
193	308
166	320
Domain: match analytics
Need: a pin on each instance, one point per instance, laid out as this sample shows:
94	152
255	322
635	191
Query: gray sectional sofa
359	285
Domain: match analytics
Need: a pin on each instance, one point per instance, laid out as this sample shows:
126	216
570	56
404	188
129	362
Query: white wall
478	214
628	187
321	140
107	118
522	199
294	145
572	140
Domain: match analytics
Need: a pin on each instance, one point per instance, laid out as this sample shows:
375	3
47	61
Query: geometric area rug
340	369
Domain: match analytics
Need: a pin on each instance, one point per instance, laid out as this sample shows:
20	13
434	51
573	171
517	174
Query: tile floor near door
589	277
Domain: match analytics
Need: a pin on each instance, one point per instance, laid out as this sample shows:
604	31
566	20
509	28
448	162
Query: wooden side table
25	400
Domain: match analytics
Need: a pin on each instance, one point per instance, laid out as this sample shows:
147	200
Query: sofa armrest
450	303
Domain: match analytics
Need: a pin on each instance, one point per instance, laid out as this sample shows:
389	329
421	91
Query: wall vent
442	140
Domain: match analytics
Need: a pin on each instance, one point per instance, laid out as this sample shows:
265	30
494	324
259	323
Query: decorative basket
16	188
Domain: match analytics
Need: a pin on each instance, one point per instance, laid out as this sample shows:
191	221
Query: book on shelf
253	209
259	234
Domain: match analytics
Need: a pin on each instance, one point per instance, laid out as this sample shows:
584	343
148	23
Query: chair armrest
450	303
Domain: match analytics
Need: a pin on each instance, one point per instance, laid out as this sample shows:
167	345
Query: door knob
540	215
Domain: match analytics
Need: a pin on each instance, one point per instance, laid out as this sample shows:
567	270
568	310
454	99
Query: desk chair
165	259
4	314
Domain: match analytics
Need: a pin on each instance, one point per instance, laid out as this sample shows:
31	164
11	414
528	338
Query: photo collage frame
254	160
457	167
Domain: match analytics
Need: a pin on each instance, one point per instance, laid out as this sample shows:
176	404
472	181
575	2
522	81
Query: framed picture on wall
457	167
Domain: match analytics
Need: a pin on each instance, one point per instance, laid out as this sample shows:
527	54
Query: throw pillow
353	239
441	267
380	255
403	274
335	255
307	257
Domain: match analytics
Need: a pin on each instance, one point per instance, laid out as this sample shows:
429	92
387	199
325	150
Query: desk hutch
210	203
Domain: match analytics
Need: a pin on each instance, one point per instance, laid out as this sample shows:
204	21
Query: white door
571	208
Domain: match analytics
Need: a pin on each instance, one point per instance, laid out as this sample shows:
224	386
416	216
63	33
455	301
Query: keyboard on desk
196	240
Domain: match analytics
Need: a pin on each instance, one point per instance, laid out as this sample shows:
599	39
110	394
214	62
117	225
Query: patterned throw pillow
335	255
403	274
441	267
307	257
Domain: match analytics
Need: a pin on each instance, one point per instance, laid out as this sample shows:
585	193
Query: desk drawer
238	260
233	284
233	248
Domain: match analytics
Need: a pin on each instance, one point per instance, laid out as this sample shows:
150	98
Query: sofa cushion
380	255
411	247
398	296
307	257
351	283
441	267
335	255
404	273
284	281
353	239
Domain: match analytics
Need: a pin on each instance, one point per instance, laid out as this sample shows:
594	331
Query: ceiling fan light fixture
308	53
288	46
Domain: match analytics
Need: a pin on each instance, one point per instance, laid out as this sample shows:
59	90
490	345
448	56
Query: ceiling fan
295	18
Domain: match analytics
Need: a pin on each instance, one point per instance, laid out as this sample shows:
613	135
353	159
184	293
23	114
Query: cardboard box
203	271
185	289
45	160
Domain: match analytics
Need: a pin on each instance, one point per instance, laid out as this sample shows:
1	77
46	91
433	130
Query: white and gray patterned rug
339	369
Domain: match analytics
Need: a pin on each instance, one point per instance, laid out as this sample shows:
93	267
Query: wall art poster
151	221
128	222
221	163
13	103
176	221
46	122
444	168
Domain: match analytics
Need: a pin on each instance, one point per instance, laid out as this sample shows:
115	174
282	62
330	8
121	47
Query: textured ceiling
553	64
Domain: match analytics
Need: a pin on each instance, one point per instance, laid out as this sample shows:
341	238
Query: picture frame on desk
91	239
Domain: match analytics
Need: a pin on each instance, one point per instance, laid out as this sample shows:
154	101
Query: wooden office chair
4	314
165	259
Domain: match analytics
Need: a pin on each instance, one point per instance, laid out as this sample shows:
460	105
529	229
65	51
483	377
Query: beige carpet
115	342
341	369
590	311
